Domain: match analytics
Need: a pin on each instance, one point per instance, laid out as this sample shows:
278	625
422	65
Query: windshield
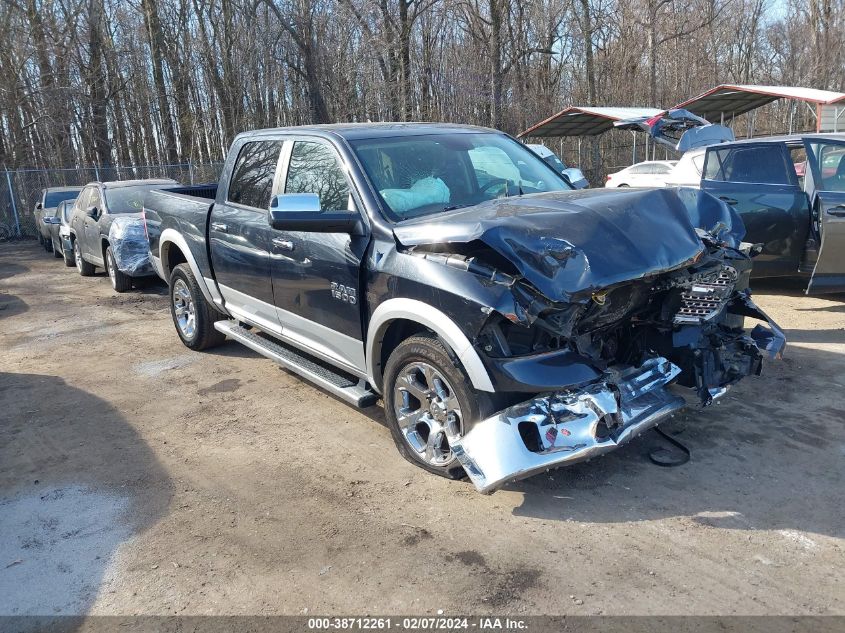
555	162
53	198
422	175
128	199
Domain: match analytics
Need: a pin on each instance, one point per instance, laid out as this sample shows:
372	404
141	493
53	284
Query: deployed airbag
426	191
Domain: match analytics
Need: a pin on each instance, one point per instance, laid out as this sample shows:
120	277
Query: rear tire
193	316
85	269
422	365
121	282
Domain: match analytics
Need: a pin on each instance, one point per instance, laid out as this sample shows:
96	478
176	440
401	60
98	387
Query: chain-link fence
20	189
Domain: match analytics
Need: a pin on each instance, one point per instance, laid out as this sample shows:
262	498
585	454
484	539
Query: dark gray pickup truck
509	323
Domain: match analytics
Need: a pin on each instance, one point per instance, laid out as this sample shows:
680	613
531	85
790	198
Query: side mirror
302	212
38	206
575	177
92	212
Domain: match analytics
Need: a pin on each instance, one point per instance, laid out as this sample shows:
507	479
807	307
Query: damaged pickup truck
509	323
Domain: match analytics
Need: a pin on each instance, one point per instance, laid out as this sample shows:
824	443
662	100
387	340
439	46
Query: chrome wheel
77	255
110	267
183	308
427	411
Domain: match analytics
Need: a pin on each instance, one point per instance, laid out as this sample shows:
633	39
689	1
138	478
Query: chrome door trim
341	350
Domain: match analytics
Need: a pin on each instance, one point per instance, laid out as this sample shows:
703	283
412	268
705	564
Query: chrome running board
345	386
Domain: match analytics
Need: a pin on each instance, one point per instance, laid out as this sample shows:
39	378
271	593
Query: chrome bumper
566	427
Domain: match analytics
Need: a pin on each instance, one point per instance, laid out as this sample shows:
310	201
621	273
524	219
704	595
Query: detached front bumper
568	426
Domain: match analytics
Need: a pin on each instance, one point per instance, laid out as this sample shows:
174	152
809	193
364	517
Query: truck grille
704	299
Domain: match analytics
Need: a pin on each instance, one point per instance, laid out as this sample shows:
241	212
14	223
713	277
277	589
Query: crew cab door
317	276
759	181
239	234
826	158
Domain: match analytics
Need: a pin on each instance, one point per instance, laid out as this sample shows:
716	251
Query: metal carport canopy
585	121
727	100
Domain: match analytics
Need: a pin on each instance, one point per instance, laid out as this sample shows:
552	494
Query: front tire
85	269
121	282
69	259
192	315
57	252
427	392
48	245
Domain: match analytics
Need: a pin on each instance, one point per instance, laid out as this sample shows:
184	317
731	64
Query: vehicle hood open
573	243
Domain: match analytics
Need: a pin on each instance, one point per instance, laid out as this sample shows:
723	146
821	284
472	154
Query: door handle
285	245
219	226
837	211
730	201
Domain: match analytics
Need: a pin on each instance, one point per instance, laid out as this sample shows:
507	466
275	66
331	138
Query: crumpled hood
565	243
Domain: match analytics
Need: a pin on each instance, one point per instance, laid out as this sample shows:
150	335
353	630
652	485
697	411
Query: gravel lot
137	476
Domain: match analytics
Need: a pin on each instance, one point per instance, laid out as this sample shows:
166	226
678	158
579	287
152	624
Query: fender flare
435	320
172	236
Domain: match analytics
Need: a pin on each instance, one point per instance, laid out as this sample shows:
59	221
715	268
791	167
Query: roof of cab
787	138
353	131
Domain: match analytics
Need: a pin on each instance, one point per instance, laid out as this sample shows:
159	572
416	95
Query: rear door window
82	200
94	199
254	173
766	163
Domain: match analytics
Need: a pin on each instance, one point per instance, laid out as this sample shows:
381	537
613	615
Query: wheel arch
174	250
397	319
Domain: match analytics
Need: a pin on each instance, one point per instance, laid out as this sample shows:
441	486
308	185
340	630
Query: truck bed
184	209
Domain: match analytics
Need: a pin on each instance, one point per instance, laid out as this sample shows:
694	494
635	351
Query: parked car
688	169
55	222
46	206
650	173
799	222
574	175
509	323
102	210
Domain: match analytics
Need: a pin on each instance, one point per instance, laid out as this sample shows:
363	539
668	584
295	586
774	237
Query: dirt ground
138	477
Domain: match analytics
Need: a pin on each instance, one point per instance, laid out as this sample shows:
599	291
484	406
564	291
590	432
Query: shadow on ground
76	482
10	305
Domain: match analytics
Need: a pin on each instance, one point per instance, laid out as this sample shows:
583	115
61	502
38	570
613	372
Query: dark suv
92	231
